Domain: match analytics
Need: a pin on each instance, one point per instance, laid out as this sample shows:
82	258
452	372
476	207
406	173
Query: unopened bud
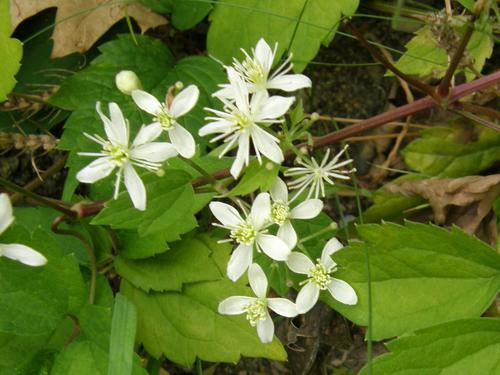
314	116
127	81
179	85
269	166
160	172
303	150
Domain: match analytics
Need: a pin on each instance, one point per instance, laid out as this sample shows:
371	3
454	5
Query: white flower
127	81
165	116
256	307
281	212
21	253
242	121
255	71
116	153
319	278
314	174
249	232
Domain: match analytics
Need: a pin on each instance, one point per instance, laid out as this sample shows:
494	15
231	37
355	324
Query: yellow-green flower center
118	153
256	311
241	121
244	233
320	275
279	212
165	119
254	71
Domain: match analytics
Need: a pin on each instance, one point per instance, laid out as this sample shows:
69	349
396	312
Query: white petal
261	210
332	246
147	134
155	152
182	140
288	234
234	305
240	260
283	307
307	209
242	155
119	127
23	254
226	214
299	263
6	216
135	187
225	92
265	329
222	126
264	55
266	144
273	247
184	101
240	90
97	170
307	298
279	191
274	107
289	82
342	292
258	280
146	102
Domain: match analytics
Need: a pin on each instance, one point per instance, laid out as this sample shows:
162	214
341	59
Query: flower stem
330	228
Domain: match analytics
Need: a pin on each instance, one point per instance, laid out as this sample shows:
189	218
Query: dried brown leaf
80	23
464	201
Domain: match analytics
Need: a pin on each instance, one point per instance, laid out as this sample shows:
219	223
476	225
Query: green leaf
440	153
184	326
35	300
170	208
187	13
470	346
257	176
123	328
426	56
133	246
11	51
241	23
421	275
187	261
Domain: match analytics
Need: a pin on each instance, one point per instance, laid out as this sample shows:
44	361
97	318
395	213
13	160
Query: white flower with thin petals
256	308
243	121
165	116
281	213
256	72
249	233
117	153
319	278
314	175
21	253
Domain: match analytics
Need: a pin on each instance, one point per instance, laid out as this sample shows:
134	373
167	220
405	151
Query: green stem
199	367
330	228
205	174
154	366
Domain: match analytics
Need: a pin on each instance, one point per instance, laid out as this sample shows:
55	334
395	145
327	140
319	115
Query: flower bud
127	81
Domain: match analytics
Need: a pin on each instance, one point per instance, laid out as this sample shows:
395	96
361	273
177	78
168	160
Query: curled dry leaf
464	201
80	23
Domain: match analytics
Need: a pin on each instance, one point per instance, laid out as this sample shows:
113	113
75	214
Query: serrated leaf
240	23
425	56
187	261
257	176
469	346
133	246
35	300
184	326
439	153
170	208
11	51
421	275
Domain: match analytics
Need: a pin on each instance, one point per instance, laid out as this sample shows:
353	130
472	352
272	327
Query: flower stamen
256	311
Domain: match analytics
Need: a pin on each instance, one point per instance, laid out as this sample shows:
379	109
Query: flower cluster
249	110
21	253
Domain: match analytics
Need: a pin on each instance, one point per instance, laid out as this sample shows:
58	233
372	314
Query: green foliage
187	13
257	176
421	275
187	261
123	328
240	23
439	152
11	51
426	53
468	346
